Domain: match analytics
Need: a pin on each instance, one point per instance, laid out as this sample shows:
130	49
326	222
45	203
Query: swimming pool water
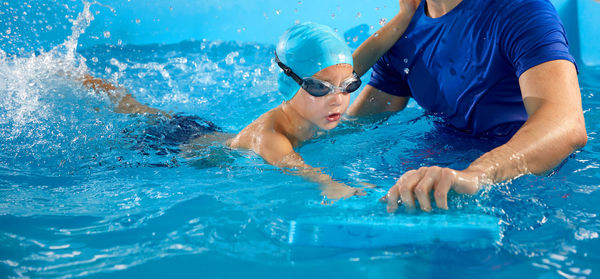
78	198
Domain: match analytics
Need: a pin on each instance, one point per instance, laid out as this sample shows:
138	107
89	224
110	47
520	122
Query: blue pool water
79	197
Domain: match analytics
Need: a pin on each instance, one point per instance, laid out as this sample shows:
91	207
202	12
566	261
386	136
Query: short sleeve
385	78
533	34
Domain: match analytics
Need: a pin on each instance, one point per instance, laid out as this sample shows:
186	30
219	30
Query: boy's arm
381	41
277	150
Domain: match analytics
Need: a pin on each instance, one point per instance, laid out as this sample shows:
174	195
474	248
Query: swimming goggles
319	88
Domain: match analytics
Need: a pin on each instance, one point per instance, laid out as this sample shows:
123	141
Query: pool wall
144	22
171	21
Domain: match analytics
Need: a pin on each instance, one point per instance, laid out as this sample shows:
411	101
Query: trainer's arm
373	101
381	41
554	130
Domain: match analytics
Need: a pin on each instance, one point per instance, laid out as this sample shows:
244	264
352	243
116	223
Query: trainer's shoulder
508	7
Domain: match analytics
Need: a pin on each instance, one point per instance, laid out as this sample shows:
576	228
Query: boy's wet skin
276	133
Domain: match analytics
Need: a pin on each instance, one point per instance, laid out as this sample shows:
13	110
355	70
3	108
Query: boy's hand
335	191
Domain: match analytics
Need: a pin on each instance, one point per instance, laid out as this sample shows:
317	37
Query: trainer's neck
438	8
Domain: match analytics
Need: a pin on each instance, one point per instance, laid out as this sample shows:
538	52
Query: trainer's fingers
407	184
441	192
392	199
422	191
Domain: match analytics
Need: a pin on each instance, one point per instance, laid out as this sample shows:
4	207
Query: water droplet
335	30
376	35
106	34
171	9
119	42
358	15
242	60
406	70
377	8
382	21
355	39
299	2
297	22
332	15
8	31
405	60
295	10
230	59
95	59
48	27
137	21
277	12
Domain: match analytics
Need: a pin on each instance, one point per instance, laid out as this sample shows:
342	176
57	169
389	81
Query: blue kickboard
376	232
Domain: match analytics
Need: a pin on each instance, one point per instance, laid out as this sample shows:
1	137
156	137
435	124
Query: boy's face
326	111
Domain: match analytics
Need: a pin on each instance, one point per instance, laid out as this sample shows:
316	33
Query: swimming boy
316	81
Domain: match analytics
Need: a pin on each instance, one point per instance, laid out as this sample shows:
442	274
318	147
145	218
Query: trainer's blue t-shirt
464	66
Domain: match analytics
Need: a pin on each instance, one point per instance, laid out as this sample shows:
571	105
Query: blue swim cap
308	48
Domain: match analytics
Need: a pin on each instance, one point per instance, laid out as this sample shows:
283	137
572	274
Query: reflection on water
76	197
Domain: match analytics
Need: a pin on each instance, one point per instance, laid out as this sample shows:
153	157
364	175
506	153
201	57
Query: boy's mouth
334	117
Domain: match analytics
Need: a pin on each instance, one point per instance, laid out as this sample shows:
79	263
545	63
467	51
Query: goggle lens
319	88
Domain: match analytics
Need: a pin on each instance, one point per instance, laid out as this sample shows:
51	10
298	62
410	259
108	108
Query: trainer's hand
418	184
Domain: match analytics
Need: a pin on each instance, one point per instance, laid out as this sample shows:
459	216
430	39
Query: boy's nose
336	99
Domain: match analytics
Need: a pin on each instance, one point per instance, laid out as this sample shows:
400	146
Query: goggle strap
288	71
